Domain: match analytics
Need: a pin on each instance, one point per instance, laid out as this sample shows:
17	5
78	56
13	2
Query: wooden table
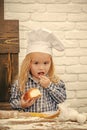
36	123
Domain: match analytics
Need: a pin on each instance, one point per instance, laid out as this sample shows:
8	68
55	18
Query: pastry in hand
32	93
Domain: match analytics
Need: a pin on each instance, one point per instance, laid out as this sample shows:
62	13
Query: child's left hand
44	81
27	103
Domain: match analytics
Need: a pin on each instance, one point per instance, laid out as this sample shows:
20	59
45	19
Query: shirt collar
30	77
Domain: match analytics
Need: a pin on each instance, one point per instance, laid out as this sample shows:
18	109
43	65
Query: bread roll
32	93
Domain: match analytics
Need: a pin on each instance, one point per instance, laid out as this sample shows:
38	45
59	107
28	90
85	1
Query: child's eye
46	62
36	62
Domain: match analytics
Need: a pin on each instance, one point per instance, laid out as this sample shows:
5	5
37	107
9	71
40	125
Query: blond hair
25	68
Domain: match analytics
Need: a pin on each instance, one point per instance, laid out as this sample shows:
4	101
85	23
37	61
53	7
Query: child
37	71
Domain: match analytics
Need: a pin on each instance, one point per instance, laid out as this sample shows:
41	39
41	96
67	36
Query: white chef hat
42	40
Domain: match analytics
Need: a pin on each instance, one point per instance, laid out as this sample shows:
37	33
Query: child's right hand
27	103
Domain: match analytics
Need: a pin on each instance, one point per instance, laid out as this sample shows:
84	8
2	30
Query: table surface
36	123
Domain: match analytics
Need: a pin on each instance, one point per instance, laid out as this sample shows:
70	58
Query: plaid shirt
51	96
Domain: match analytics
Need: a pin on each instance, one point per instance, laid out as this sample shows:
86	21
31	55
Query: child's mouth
40	73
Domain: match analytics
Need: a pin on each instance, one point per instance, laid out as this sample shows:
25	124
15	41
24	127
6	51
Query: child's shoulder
61	81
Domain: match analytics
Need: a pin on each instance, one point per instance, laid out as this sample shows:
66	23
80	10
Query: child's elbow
63	98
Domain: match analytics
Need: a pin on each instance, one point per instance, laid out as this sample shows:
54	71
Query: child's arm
17	101
57	91
15	97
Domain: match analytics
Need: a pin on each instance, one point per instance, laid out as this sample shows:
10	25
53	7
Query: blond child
37	71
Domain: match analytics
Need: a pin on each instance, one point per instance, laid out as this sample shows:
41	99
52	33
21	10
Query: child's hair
24	72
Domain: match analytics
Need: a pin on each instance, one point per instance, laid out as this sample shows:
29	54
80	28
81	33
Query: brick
75	86
83	77
70	94
22	35
66	60
78	102
83	52
83	60
48	17
24	26
71	86
81	26
59	69
22	52
24	8
83	43
76	69
60	34
63	26
79	17
64	8
71	52
76	52
79	1
62	1
19	16
76	35
71	43
23	44
69	78
82	85
84	8
81	94
60	26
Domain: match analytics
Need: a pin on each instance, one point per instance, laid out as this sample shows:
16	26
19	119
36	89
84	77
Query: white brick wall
68	20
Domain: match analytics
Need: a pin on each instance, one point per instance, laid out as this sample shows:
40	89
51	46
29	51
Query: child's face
40	64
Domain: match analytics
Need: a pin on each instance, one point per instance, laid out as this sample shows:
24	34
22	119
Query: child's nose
41	66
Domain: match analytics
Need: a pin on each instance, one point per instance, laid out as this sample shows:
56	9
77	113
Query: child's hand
27	103
44	81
